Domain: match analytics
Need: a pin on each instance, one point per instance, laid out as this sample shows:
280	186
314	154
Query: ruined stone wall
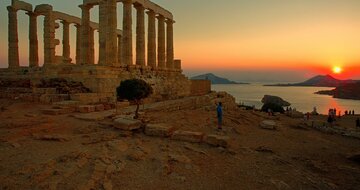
200	87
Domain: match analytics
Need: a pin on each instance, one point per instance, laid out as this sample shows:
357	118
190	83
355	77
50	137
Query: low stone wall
200	87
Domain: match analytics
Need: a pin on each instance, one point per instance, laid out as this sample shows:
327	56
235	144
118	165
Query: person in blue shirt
219	115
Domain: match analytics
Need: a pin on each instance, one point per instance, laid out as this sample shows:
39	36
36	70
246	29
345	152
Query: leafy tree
134	90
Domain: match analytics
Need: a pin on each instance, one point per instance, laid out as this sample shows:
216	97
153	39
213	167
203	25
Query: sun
337	70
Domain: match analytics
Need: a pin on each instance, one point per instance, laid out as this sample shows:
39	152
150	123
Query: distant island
345	91
215	79
319	81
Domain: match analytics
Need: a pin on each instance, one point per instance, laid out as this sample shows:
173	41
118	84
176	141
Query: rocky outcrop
268	99
347	91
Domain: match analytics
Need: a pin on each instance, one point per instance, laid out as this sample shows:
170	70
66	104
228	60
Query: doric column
33	40
66	41
85	33
119	49
127	33
49	38
169	44
78	44
112	32
13	40
103	22
92	48
161	41
151	46
140	35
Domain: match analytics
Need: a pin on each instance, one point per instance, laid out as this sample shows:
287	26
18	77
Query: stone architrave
66	41
78	44
127	33
13	51
85	34
161	42
33	40
169	44
151	46
140	35
112	32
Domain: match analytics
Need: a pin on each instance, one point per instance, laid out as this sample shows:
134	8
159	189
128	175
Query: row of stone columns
116	50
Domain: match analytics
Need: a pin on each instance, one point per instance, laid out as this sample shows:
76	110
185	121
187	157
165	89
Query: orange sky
302	36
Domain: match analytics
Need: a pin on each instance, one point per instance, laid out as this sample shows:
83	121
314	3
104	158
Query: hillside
346	91
320	81
214	79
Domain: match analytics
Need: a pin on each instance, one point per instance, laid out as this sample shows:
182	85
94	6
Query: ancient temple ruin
117	61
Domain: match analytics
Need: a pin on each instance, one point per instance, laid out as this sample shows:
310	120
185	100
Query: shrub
273	107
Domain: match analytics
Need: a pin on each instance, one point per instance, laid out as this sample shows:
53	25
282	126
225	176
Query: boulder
268	99
268	124
159	130
86	108
188	136
216	140
127	124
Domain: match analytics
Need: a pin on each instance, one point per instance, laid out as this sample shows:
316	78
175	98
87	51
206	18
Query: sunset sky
244	40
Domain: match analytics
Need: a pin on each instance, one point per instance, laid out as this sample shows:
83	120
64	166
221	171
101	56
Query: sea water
301	98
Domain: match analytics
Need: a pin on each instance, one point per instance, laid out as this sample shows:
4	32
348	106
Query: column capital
86	6
11	9
127	1
139	7
150	12
160	17
169	21
31	14
64	22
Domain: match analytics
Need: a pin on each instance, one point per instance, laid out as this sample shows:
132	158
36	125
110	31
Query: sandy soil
61	152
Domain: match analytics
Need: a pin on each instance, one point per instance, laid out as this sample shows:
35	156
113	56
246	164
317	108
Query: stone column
140	35
13	40
66	42
119	49
127	33
161	41
169	44
151	46
33	40
85	34
49	38
92	48
103	22
78	44
112	32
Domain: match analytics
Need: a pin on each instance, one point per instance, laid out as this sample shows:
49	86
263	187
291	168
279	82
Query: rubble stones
216	140
159	130
127	124
188	136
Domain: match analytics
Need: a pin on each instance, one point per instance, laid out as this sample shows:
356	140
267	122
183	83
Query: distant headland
215	79
319	81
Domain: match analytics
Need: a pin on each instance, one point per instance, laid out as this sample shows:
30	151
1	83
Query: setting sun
337	70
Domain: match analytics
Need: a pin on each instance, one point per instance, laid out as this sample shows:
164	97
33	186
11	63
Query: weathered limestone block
44	90
99	107
268	124
159	130
50	98
86	108
127	124
58	111
188	136
216	140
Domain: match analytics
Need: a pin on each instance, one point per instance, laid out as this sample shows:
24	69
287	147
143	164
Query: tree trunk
137	110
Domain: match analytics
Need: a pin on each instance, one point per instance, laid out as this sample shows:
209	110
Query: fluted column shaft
66	41
169	44
151	46
78	44
85	34
127	33
103	22
112	32
161	42
33	40
13	40
92	48
140	35
119	49
49	39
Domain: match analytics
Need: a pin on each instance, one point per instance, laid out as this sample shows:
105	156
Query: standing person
358	122
353	112
219	115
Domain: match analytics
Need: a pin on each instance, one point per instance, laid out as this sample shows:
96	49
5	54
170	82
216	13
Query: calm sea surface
301	98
